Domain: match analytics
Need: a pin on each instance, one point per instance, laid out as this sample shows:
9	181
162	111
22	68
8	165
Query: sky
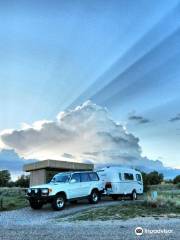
122	55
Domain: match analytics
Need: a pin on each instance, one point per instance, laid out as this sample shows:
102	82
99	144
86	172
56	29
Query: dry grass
167	204
12	198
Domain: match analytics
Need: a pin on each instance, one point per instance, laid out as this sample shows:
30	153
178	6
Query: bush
165	202
4	178
12	198
155	178
145	181
152	178
176	179
11	184
22	182
168	181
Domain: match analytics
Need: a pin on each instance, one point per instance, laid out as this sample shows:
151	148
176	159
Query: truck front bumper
43	199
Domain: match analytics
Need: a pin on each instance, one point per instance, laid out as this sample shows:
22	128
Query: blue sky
123	55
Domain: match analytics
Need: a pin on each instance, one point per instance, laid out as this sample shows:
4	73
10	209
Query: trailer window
128	176
120	178
138	177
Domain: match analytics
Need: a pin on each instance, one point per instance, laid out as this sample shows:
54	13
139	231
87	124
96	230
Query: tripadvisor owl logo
138	231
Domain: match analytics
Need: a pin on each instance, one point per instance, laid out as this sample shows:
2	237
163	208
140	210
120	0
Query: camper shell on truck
119	181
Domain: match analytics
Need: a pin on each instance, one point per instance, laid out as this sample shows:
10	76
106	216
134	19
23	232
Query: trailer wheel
134	195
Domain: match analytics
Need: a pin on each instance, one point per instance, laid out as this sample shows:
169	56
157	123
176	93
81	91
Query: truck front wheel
59	202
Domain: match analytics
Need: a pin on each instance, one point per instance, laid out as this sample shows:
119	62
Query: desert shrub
12	198
168	181
166	200
176	179
11	184
4	178
145	181
152	178
163	187
22	181
10	192
11	205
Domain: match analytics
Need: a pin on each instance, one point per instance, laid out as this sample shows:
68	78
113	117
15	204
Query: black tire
59	202
94	197
134	195
74	202
35	205
115	197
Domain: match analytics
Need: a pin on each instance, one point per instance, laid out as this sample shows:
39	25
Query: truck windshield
61	177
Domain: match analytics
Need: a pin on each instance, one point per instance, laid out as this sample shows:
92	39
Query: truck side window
85	177
128	176
93	176
138	177
76	176
120	178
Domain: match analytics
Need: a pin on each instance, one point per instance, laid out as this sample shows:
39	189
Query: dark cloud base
176	118
139	119
11	161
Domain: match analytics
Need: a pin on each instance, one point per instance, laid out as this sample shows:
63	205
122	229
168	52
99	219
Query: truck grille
35	193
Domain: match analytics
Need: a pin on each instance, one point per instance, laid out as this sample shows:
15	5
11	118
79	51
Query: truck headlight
45	191
29	190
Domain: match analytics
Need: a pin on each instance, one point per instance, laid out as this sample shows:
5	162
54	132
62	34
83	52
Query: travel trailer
119	181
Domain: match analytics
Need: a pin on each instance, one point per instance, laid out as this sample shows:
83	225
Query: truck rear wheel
35	204
94	197
59	202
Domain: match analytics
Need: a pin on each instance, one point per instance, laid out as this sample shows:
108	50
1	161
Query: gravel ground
26	224
27	216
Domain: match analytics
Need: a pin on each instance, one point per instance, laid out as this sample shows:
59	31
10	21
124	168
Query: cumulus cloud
84	134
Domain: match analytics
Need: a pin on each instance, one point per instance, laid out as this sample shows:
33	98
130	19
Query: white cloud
37	125
4	132
86	133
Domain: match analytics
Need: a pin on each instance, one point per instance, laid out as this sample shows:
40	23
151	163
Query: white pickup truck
67	186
